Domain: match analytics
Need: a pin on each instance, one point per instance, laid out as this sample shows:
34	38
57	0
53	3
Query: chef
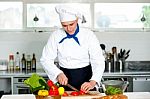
77	51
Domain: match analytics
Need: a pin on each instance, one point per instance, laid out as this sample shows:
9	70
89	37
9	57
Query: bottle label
23	64
29	65
33	64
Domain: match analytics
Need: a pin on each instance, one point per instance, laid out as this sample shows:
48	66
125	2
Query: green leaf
36	82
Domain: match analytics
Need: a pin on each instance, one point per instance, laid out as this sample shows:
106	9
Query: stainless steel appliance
19	87
141	84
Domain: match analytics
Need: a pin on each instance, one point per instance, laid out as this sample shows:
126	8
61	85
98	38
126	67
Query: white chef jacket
72	55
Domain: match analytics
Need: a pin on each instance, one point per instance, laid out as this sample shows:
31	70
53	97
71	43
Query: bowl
112	87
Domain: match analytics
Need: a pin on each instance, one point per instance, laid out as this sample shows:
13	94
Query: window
122	15
47	17
11	15
39	14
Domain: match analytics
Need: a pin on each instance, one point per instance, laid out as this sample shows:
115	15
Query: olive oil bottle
33	62
28	63
23	62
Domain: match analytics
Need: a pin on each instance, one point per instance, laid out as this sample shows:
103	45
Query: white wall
137	42
25	42
28	43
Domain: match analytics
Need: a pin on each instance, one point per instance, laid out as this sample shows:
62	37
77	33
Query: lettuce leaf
36	82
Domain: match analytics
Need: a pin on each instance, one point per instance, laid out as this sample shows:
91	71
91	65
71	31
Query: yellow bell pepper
43	92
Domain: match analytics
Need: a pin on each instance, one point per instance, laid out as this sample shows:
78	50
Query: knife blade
73	88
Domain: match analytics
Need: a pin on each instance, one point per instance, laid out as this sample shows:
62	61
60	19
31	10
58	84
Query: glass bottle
33	62
11	62
17	61
23	62
28	62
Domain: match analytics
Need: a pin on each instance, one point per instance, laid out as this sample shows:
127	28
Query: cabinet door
140	84
5	85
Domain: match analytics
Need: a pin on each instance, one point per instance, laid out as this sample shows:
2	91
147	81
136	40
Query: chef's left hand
86	86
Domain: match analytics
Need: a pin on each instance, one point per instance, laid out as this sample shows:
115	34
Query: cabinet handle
22	87
142	79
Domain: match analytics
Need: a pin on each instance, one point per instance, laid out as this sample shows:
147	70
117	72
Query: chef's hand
62	79
86	86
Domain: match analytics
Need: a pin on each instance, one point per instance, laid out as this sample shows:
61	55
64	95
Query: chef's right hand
62	79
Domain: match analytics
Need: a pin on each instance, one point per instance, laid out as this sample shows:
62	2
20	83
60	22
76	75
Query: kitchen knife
126	56
73	88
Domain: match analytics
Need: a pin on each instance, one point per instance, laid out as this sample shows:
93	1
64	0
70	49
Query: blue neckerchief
72	36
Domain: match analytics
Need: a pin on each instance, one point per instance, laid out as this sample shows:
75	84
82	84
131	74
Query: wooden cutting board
92	95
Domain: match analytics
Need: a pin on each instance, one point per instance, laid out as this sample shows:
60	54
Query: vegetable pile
111	90
39	86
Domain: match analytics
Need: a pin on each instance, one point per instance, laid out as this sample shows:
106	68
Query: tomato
74	93
65	94
50	83
81	92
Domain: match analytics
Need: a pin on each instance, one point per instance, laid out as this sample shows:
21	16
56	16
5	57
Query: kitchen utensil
73	88
102	46
126	56
114	83
123	53
127	52
103	49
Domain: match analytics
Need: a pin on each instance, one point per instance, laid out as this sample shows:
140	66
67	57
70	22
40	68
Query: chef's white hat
67	13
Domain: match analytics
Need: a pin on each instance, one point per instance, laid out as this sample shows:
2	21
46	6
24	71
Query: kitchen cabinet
13	80
5	85
19	87
141	84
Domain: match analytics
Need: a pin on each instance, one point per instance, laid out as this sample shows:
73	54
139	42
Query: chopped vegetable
65	94
74	93
110	90
81	92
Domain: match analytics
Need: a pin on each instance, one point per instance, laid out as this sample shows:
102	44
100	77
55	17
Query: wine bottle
33	62
23	62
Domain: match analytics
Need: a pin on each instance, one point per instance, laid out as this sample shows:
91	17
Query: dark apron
76	77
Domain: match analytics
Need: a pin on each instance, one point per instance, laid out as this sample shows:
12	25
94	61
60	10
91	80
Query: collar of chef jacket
72	36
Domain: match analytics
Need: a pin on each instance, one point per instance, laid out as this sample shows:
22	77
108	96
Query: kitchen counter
126	72
17	77
131	95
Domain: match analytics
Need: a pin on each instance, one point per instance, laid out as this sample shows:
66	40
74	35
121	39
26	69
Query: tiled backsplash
138	65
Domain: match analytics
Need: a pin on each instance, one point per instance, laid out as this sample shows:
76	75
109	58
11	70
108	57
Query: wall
25	42
28	43
137	42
